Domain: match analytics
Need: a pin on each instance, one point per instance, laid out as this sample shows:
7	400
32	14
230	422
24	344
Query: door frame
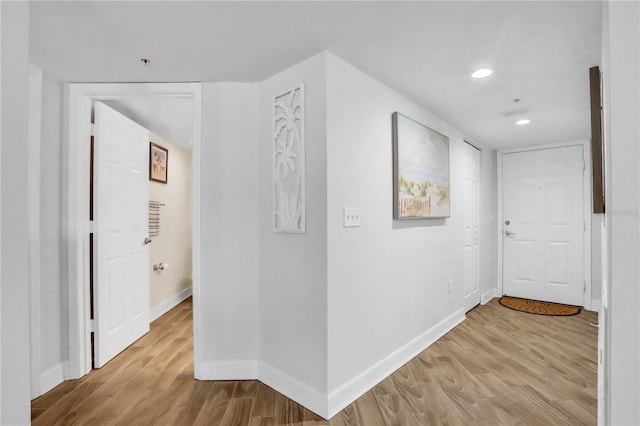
33	190
480	229
76	194
586	198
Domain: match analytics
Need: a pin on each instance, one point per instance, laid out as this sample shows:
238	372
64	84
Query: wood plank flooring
498	367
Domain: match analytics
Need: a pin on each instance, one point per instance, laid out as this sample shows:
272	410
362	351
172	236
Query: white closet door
471	227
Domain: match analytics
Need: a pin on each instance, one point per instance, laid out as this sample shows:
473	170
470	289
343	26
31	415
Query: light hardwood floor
497	367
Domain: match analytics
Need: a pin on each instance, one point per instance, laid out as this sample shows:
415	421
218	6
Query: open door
121	254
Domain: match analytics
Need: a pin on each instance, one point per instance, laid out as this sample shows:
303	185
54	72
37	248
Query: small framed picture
158	163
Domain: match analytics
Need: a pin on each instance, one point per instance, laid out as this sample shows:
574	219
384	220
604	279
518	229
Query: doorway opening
140	245
81	99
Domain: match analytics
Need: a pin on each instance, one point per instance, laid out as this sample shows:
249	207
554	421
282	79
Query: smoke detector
515	112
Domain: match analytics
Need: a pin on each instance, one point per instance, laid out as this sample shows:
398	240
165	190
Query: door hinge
584	165
93	126
92	226
92	326
584	289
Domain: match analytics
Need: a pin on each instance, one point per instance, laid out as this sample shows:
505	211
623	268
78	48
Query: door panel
525	207
471	226
557	204
558	263
544	224
525	270
121	258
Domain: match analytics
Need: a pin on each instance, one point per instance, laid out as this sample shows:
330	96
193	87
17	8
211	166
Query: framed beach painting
158	163
421	188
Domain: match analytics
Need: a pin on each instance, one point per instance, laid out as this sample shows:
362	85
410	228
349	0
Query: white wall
293	267
621	46
173	246
1	400
229	231
53	320
604	315
14	335
387	279
596	259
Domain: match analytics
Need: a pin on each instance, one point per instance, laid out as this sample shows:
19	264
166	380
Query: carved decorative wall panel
288	161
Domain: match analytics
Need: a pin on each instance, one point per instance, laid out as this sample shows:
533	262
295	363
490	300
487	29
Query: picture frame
421	176
597	149
158	163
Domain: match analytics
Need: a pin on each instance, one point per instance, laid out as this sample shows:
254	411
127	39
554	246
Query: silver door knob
509	233
147	241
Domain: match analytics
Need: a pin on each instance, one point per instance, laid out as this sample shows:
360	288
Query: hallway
497	367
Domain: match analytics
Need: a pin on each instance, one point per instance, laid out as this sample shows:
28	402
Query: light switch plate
351	217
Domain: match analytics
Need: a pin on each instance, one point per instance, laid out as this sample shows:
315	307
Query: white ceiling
540	51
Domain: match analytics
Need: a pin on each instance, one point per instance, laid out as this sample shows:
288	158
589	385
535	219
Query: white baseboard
228	370
488	295
315	400
304	395
53	377
356	387
252	370
164	307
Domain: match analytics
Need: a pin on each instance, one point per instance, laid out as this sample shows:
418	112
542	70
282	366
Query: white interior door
543	224
471	227
121	262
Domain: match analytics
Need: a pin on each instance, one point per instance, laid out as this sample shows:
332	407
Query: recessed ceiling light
481	73
523	122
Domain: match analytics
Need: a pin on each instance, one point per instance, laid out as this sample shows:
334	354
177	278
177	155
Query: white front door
121	257
471	226
543	224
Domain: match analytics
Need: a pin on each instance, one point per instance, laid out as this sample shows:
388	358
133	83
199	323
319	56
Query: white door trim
77	152
33	189
586	152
